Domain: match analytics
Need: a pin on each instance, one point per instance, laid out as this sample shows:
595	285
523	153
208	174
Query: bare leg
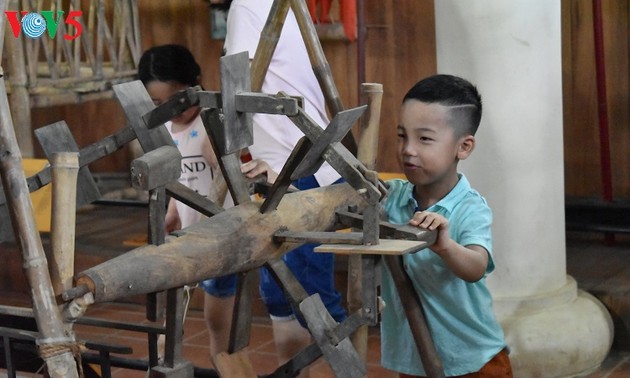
290	338
218	315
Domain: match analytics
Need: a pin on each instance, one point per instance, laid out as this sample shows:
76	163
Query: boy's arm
467	262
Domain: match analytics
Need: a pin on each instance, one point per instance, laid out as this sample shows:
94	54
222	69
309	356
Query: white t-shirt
290	71
197	174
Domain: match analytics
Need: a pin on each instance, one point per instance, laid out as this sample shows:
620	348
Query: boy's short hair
460	95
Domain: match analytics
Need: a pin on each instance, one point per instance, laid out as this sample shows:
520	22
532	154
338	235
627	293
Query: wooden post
370	124
54	344
19	100
415	315
65	168
368	148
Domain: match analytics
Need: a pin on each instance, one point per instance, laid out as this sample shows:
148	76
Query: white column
512	51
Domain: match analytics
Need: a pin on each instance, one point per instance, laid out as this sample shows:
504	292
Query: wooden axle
236	240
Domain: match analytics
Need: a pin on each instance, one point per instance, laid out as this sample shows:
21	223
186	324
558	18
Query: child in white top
165	70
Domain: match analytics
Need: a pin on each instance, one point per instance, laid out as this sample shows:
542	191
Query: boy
438	120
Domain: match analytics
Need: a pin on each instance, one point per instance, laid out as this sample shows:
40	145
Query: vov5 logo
34	24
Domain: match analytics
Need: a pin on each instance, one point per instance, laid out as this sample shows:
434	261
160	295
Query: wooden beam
235	240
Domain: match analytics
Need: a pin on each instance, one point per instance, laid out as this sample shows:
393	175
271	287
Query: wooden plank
333	134
156	168
385	247
230	163
343	359
57	138
283	181
235	78
135	101
355	238
253	102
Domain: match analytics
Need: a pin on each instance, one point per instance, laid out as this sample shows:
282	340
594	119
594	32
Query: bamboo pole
370	124
267	45
65	167
368	148
20	102
55	347
268	41
316	54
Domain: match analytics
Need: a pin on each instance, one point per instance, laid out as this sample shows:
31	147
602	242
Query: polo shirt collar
449	201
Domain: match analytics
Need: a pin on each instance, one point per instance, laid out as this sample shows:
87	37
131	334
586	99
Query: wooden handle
370	124
368	148
415	316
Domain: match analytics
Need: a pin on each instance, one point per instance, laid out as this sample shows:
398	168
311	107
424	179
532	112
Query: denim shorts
315	271
221	287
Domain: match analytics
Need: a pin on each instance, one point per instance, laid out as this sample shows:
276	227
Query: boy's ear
466	146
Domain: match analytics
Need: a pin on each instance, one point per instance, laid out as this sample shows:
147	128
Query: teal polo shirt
459	314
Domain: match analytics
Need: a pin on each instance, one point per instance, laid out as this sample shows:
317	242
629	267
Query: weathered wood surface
57	137
415	315
235	79
238	239
367	152
384	247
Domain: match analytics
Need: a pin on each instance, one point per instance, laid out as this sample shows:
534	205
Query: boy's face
428	149
161	91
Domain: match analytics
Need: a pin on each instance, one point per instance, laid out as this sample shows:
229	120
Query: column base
564	333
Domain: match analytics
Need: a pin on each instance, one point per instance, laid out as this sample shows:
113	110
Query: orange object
348	11
323	16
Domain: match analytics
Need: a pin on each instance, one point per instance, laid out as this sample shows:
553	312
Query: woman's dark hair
169	63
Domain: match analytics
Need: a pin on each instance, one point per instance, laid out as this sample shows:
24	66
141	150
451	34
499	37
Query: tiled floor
261	350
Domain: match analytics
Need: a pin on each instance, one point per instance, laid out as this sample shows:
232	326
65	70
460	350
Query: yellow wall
41	198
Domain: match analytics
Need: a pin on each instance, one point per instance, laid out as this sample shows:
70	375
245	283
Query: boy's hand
256	167
433	221
467	262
